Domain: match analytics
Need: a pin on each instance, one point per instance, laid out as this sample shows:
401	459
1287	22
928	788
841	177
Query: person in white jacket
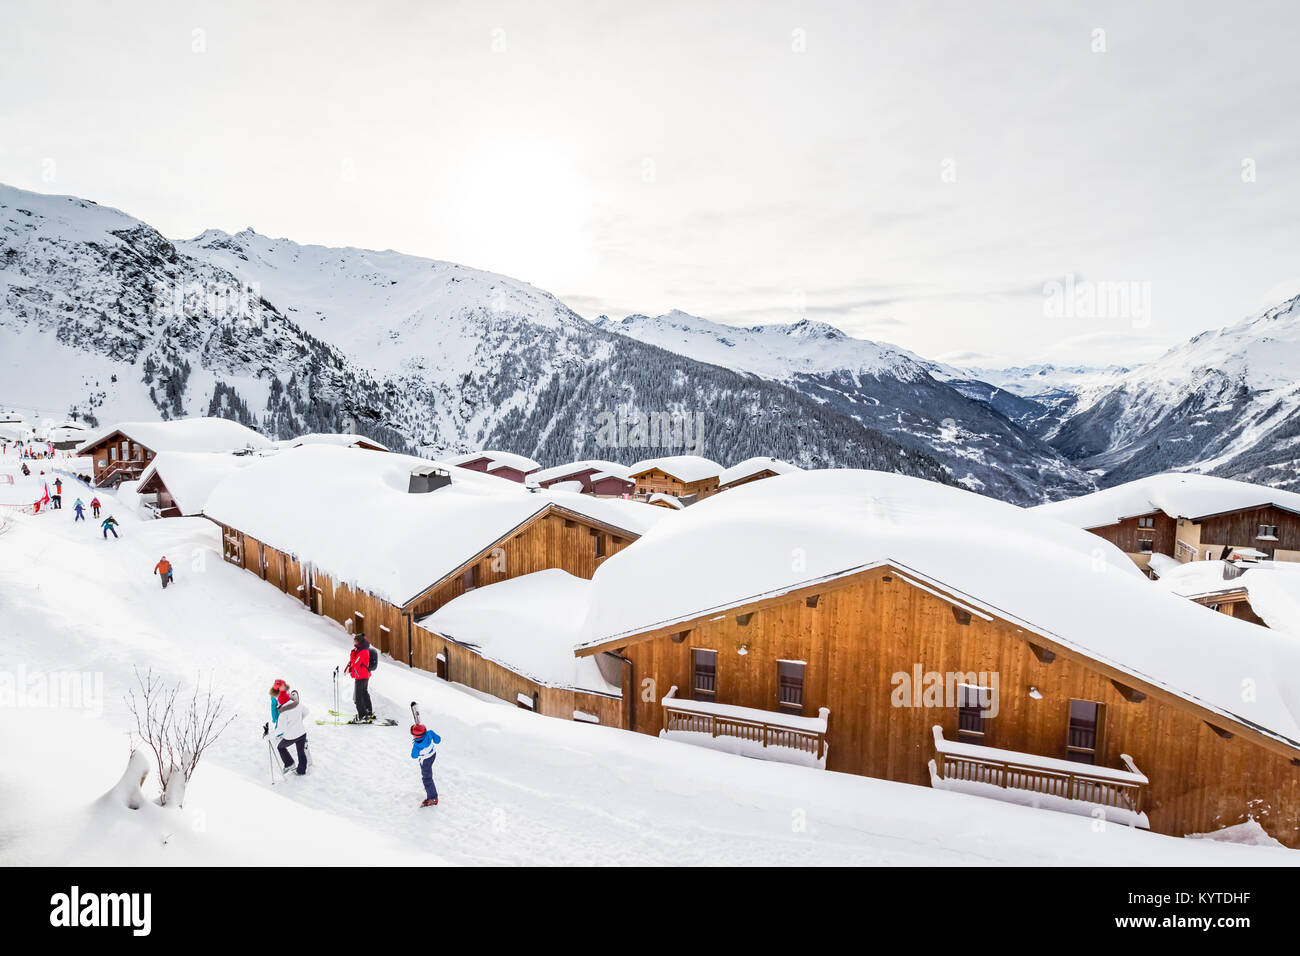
291	728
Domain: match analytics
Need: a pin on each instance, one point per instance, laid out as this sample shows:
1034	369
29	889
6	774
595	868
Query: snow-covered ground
516	788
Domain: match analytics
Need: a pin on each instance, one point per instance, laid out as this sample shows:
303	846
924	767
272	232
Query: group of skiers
288	719
25	451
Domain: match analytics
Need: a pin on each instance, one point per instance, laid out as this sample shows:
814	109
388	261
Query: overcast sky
956	178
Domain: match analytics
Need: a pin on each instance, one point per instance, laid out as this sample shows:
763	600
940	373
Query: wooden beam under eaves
1045	655
1225	734
1130	694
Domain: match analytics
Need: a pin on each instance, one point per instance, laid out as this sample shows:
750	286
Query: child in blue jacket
424	748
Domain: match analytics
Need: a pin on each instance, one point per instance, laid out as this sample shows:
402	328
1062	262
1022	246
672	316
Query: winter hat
279	685
418	730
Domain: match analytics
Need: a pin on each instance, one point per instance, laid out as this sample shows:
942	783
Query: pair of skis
337	713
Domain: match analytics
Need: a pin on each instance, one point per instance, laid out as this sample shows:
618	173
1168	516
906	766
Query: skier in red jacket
361	663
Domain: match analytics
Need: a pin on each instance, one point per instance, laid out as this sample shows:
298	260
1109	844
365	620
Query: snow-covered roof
601	468
496	460
528	625
685	468
672	501
331	438
184	434
1272	587
352	515
753	466
735	548
190	476
1177	494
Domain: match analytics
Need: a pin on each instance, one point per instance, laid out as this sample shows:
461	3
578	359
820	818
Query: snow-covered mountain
967	425
104	317
1226	402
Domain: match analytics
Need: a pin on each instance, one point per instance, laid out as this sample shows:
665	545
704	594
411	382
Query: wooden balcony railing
768	728
1121	789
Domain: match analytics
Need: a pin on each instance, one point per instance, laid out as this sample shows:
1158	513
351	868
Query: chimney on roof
427	478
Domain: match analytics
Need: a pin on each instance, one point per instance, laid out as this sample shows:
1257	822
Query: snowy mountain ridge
923	405
104	317
1226	402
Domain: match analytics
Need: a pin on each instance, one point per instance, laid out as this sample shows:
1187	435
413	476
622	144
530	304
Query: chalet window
1267	531
1146	522
471	577
972	702
1085	731
112	453
705	683
1146	545
790	685
600	543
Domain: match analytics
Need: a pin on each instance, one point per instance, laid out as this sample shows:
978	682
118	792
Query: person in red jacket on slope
361	663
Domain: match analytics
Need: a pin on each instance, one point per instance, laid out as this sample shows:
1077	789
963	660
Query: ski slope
515	788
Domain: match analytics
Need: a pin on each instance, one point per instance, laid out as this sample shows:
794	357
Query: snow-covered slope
515	788
924	405
1226	402
409	351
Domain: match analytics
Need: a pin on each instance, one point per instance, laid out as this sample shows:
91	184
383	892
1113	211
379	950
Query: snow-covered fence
1048	776
764	728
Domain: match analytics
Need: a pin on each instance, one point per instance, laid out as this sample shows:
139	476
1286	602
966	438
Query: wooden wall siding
1241	527
861	634
657	481
1125	534
468	668
765	473
552	541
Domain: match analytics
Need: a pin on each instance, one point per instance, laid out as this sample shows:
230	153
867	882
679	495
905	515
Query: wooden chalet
754	469
880	625
176	484
501	464
682	476
514	640
124	451
353	539
604	479
1188	517
344	440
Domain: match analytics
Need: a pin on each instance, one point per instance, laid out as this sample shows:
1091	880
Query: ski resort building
686	477
377	541
606	479
754	469
1189	517
886	626
124	451
502	464
177	483
334	438
1262	592
514	640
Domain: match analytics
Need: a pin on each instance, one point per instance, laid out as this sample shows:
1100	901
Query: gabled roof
1273	588
685	468
184	434
1177	494
594	465
754	466
496	460
527	624
1044	577
190	476
352	515
333	438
